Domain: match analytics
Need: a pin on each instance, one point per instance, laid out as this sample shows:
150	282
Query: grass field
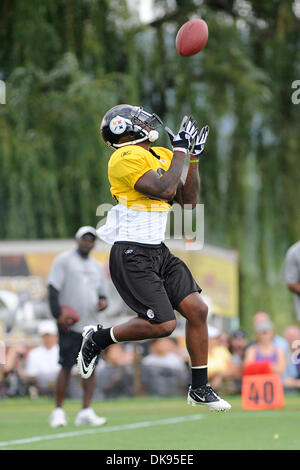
150	423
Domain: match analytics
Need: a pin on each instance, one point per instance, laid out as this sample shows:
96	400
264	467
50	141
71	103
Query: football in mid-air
72	315
192	37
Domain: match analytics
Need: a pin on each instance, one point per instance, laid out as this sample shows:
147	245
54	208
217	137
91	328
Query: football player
145	180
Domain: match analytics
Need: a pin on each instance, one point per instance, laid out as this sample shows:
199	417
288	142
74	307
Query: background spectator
238	343
280	341
13	370
41	366
219	359
264	350
163	370
223	339
115	374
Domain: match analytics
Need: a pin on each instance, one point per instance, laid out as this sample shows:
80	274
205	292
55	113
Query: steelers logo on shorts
150	313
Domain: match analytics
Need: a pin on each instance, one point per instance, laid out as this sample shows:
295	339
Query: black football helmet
125	125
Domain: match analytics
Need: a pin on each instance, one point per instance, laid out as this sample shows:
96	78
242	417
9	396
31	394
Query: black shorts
150	279
69	347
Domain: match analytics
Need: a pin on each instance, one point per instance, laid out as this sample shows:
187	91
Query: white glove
187	131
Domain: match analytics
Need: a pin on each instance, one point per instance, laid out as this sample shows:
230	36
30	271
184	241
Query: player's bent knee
198	314
203	311
166	329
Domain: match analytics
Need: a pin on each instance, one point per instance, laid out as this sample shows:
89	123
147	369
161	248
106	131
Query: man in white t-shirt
42	367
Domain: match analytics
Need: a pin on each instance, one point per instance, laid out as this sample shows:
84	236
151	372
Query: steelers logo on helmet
118	125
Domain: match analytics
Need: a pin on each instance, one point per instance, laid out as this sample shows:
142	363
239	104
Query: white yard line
96	430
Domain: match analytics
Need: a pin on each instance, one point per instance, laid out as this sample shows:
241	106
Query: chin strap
152	136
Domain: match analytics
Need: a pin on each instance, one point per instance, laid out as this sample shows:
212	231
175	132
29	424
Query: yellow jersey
126	165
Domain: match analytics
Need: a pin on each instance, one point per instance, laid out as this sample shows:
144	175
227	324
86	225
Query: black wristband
53	302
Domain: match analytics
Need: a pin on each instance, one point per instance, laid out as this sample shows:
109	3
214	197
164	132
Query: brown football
71	313
192	37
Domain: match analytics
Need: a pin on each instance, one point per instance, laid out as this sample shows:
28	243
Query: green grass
237	429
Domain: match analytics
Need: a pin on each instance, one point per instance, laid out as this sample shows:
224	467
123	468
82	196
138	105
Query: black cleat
205	395
89	352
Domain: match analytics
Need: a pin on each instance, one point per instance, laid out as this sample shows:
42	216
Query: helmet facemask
144	124
147	123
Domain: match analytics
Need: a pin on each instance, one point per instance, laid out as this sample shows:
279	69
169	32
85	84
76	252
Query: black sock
102	337
199	377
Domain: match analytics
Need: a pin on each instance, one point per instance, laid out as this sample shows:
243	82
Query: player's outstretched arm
188	192
164	187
